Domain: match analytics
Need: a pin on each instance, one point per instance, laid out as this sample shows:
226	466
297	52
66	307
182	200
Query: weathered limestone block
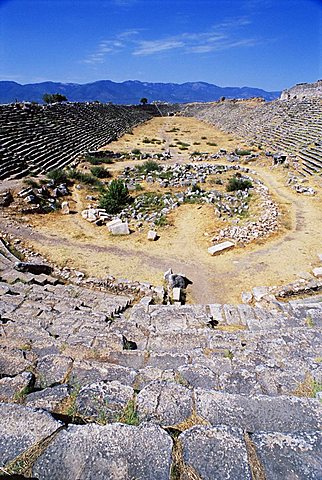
117	227
50	399
176	294
103	401
220	247
86	372
199	376
152	235
259	413
215	452
12	388
12	362
114	452
65	208
296	455
150	374
21	427
240	381
52	369
165	403
317	272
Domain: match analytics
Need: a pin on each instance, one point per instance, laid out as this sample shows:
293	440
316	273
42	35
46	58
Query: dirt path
71	241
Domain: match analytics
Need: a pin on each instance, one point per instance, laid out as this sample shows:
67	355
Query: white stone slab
317	272
65	208
120	229
220	247
176	294
113	223
152	235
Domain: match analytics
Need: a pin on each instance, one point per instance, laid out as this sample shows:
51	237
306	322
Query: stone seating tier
40	138
293	126
87	382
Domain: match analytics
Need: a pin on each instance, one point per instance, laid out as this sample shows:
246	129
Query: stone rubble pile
266	224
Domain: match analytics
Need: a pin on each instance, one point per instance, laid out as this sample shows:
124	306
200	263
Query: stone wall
36	138
303	90
289	126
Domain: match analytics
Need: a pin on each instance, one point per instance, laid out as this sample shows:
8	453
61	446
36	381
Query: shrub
57	176
100	172
99	160
242	152
86	178
54	97
136	151
238	183
149	166
115	198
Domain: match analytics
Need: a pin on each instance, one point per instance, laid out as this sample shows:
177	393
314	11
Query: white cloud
149	47
222	36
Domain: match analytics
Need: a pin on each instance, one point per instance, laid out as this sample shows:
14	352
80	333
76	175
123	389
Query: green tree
115	198
144	101
54	97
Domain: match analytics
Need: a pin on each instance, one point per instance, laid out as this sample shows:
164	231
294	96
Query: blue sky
270	44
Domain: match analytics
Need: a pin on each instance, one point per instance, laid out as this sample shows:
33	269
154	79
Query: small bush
100	172
136	151
57	176
161	222
212	144
238	183
148	167
115	198
85	178
241	153
98	161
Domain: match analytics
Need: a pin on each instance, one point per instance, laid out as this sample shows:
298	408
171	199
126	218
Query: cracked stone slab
50	399
297	455
22	427
52	369
215	452
259	413
114	452
12	387
85	372
103	401
165	403
12	362
199	376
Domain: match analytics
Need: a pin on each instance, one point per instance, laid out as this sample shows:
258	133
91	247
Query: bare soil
71	241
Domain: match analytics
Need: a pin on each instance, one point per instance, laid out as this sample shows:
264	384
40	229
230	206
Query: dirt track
183	247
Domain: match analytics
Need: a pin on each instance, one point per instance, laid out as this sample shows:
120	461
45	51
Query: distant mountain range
129	92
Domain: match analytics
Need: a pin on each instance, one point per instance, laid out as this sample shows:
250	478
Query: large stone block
259	413
21	428
165	403
114	452
290	456
215	453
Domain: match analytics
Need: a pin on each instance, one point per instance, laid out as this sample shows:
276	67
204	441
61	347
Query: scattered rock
65	208
152	235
